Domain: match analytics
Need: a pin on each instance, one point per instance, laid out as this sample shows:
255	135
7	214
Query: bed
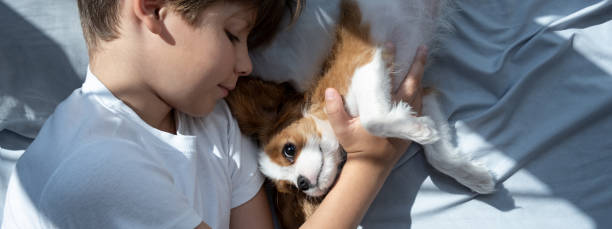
526	85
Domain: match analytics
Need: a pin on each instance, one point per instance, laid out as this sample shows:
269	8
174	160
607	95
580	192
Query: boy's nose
245	71
244	66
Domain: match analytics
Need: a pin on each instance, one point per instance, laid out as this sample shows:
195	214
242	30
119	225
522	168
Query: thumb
334	108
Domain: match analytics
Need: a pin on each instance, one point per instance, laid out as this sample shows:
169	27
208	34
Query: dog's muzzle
303	183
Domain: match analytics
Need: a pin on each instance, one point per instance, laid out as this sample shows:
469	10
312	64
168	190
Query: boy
148	143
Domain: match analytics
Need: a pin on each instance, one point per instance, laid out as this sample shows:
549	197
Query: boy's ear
258	106
151	13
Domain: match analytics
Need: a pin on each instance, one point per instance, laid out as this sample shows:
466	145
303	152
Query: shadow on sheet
529	89
35	75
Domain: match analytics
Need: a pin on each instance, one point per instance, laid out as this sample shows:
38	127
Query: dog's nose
303	183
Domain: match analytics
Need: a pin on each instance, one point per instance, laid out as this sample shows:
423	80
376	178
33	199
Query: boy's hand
360	144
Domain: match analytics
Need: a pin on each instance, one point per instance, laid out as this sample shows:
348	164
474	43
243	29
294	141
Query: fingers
412	83
334	107
415	74
410	89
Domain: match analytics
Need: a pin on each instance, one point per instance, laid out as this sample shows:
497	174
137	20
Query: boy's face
194	67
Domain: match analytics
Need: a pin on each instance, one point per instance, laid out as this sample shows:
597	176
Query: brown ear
257	105
294	206
283	186
289	210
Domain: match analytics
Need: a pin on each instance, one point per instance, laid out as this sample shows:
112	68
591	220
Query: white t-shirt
96	164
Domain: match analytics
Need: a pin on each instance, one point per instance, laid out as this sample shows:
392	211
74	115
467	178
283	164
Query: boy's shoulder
97	181
85	136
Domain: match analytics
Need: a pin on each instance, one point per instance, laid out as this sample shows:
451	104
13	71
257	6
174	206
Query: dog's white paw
418	129
424	132
480	179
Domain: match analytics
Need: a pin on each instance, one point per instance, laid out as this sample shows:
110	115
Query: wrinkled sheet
527	86
43	58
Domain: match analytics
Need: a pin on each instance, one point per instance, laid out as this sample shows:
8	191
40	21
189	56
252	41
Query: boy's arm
369	160
250	208
203	225
361	178
255	213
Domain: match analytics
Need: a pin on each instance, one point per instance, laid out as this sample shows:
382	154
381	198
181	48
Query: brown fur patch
274	115
294	208
264	108
353	49
297	133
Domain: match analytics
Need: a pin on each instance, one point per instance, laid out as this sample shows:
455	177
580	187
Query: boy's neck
122	73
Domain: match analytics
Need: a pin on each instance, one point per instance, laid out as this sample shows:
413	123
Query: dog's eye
289	152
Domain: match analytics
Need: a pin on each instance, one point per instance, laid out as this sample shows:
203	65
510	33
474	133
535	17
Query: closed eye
233	38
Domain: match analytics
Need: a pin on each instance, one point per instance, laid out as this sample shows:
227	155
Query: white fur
443	156
298	53
275	171
369	97
318	162
310	155
332	158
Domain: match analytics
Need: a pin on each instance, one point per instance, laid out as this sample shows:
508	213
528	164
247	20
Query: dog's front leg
369	97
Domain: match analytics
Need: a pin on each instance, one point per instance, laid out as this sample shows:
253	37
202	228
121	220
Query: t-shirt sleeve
245	175
113	189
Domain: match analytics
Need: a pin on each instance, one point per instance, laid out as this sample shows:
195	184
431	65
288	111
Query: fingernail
329	94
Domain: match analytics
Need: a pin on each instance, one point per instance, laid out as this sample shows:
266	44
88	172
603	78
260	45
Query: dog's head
300	150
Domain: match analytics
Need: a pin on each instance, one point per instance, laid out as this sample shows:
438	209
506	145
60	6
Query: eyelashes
233	38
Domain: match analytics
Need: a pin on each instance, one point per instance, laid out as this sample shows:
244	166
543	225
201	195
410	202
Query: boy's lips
228	87
225	89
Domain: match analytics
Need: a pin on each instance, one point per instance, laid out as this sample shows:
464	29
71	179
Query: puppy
301	154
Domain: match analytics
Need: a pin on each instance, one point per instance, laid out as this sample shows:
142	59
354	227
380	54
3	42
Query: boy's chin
202	111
